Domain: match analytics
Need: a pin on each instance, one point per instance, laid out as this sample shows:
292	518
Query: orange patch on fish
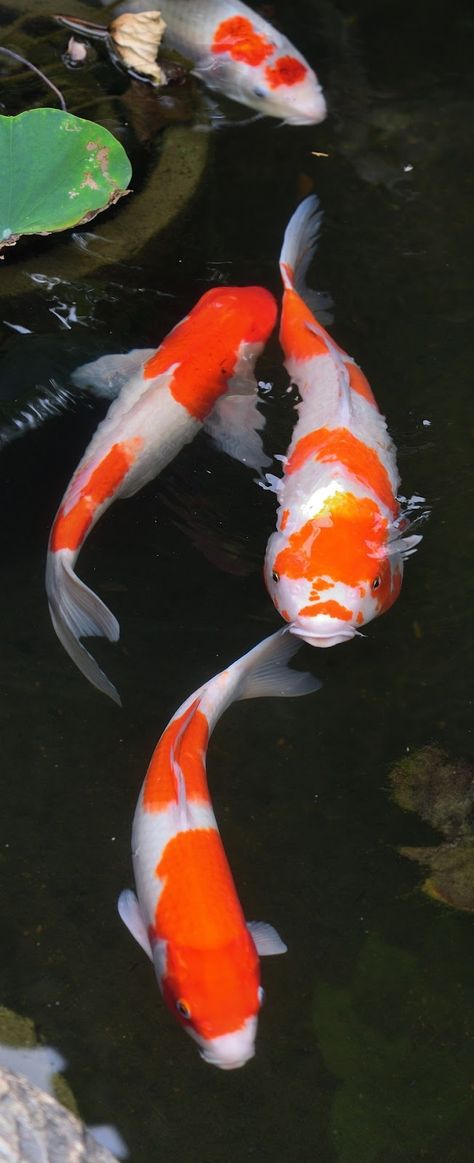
211	960
359	383
331	608
238	37
344	548
298	340
198	905
284	519
338	445
205	345
71	525
319	584
285	71
183	743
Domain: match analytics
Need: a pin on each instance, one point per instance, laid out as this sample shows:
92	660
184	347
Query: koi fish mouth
231	1051
318	638
223	1065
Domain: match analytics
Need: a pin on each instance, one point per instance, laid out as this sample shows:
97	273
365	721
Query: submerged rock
39	1117
34	1126
442	792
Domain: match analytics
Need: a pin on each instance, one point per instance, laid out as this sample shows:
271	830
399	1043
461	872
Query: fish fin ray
76	612
266	939
129	912
299	244
266	673
106	376
234	425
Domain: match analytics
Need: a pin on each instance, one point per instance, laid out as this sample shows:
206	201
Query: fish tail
265	670
77	612
299	244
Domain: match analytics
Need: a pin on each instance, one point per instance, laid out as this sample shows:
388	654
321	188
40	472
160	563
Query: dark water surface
365	1049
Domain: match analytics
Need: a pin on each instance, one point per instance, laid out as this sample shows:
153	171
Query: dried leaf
135	38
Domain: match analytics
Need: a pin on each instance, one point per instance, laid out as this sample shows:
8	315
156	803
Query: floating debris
136	37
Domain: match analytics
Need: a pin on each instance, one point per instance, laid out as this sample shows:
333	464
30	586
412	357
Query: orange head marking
285	71
343	548
211	963
239	39
334	573
206	344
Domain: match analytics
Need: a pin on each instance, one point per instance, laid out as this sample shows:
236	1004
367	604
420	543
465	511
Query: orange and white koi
188	918
202	374
239	53
336	560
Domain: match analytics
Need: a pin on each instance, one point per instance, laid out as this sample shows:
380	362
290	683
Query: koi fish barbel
202	374
236	51
188	918
336	560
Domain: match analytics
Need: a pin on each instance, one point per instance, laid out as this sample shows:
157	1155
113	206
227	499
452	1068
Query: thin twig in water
16	57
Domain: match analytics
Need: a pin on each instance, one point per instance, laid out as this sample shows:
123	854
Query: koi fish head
262	69
288	90
336	572
215	994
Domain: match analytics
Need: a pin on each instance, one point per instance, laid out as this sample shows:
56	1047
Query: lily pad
56	171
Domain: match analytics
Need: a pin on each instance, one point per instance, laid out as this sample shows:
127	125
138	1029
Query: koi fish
188	918
202	374
238	52
336	560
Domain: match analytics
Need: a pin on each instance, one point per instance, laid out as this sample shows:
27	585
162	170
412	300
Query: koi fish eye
183	1009
376	583
275	575
259	93
261	995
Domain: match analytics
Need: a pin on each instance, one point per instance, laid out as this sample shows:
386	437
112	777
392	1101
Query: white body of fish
237	52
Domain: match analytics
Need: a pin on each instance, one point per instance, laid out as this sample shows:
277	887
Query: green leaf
56	170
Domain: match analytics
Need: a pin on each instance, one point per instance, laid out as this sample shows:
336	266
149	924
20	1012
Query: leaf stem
16	57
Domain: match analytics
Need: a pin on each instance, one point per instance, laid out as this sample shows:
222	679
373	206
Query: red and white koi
188	918
239	53
336	560
202	374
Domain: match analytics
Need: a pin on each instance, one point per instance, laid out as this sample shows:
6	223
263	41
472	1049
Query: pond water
366	1042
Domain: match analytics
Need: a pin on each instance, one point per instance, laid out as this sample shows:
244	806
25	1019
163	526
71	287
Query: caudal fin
77	612
299	243
265	670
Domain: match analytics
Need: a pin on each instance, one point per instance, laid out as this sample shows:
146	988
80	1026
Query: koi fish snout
231	1051
309	109
322	631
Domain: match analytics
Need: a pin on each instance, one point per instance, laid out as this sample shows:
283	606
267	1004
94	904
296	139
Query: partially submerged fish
236	51
188	918
202	374
336	560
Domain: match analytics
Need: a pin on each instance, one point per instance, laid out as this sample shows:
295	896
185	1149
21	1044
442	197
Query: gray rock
34	1128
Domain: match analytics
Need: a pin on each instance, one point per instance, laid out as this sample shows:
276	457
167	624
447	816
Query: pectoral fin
129	912
234	424
107	375
266	939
